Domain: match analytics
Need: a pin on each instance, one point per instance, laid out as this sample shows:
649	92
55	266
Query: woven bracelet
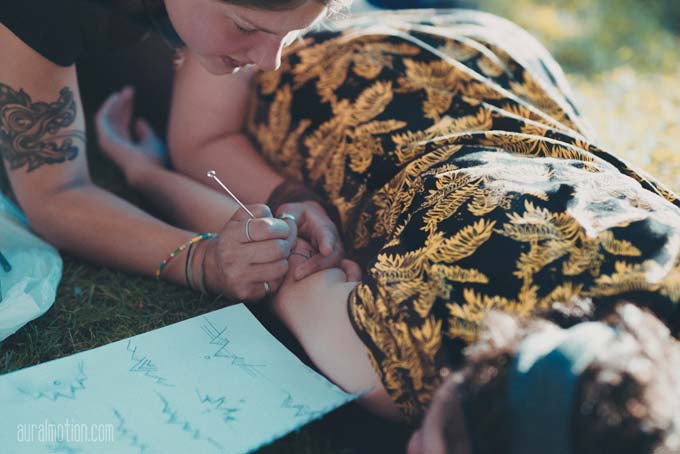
183	246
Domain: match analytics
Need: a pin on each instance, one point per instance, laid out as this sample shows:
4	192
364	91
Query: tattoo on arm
32	133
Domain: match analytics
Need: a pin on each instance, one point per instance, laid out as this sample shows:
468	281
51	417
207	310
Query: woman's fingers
244	229
246	283
267	251
113	119
269	272
104	119
351	269
144	131
328	236
258	229
252	251
317	227
263	291
125	106
292	224
259	210
319	262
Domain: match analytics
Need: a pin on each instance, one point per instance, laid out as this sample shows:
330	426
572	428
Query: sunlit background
623	59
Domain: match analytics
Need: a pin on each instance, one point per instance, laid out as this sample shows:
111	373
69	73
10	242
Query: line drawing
126	434
217	338
61	447
58	389
300	409
173	418
142	364
228	413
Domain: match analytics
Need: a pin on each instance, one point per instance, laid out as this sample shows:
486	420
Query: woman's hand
238	267
131	152
303	251
316	227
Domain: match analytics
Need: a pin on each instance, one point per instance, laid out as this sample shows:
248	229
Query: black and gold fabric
465	179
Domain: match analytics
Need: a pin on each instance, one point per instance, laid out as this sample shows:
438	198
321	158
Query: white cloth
29	289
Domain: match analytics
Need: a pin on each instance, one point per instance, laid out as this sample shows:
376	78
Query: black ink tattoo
31	133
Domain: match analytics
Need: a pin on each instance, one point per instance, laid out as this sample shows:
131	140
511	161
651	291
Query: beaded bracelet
173	254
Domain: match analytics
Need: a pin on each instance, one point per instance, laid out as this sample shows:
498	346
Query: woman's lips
231	62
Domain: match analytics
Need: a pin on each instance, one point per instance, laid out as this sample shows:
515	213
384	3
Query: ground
619	57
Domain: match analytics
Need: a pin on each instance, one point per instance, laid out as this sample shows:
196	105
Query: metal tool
212	174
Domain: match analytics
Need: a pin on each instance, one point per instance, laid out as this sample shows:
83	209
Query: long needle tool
212	174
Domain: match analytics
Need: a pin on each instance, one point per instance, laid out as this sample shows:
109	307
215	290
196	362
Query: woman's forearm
315	311
183	201
100	227
198	203
236	162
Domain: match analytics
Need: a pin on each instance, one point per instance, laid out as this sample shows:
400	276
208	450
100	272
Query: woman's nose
266	54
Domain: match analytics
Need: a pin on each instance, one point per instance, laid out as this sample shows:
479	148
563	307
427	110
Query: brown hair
285	5
627	401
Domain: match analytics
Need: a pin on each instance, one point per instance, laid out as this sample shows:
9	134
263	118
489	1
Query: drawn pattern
60	388
128	435
196	402
173	417
143	365
219	405
61	447
218	338
299	409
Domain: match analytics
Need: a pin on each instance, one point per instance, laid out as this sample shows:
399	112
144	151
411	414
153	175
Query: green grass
592	36
604	45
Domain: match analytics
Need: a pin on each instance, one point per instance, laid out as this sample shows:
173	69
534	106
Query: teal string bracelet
182	247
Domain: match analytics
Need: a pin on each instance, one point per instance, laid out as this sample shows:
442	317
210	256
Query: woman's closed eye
244	30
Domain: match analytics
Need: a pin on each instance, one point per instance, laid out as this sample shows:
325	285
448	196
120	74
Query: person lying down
531	387
464	180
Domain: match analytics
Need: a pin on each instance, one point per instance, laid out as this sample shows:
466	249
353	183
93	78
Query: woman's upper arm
42	128
205	107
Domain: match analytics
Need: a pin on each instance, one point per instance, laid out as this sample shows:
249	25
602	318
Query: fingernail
279	226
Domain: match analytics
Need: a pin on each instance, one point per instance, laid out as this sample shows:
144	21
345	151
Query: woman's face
226	37
443	429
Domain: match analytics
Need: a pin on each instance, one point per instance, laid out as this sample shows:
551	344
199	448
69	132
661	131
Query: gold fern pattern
464	182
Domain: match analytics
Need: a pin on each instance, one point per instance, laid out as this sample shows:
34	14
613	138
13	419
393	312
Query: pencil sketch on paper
218	338
143	365
174	389
300	410
173	417
220	405
66	385
124	433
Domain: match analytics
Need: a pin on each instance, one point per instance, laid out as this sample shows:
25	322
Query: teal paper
217	383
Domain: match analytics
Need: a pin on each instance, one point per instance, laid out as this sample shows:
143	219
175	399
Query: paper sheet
217	383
